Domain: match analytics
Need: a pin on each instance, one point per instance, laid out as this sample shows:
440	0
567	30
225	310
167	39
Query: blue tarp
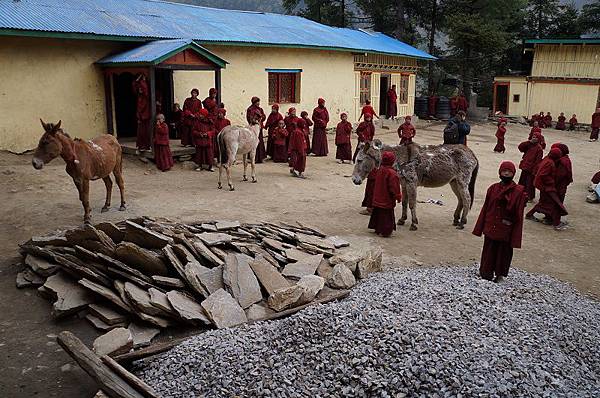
151	19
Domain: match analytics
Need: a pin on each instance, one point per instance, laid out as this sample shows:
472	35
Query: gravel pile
427	332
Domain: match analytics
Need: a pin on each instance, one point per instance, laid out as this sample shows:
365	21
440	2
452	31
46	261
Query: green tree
589	19
328	12
542	16
566	23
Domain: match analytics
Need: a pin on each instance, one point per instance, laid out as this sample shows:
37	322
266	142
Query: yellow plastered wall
571	99
518	86
554	60
327	74
50	79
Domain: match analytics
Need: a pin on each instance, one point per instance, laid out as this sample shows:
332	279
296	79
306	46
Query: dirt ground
36	202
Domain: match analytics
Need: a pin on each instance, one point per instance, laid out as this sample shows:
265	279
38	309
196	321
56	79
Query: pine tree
328	12
589	19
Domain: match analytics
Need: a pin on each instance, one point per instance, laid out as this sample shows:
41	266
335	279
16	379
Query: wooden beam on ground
133	380
111	383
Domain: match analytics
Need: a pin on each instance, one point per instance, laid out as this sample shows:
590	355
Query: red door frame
507	84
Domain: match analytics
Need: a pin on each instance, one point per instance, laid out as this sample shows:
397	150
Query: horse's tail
223	156
472	183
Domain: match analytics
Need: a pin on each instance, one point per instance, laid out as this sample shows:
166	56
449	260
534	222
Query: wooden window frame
403	91
516	98
295	82
364	92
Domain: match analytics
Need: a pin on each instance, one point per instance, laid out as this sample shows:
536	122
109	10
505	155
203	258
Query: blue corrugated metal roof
156	51
163	20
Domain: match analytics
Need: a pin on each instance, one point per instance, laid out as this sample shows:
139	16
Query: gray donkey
430	166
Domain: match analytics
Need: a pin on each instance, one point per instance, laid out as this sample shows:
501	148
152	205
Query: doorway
384	85
164	91
125	105
501	97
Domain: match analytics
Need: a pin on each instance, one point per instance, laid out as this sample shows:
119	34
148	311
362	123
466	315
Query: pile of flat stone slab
133	278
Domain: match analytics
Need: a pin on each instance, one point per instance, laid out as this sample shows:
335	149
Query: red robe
561	123
501	221
548	121
539	131
297	150
453	106
369	189
162	151
392	103
532	155
255	112
203	134
142	113
572	123
595	126
280	153
406	132
191	111
432	104
367	110
289	125
365	132
462	104
500	133
309	124
549	203
343	132
386	193
271	124
564	176
219	124
211	106
596	178
320	117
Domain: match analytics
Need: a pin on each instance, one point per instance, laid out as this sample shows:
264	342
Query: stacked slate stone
138	276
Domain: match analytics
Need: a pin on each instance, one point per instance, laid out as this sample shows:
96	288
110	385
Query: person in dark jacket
457	129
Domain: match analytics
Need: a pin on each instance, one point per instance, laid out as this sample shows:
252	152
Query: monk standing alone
142	112
392	103
501	222
162	151
343	132
386	193
320	117
297	149
595	125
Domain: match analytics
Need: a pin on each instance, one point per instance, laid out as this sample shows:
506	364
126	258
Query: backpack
451	135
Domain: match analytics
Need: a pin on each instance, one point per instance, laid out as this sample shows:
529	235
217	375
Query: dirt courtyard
36	202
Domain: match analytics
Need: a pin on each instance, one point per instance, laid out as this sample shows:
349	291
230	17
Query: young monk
142	113
343	132
210	104
406	131
191	109
289	119
386	193
532	155
548	120
536	129
541	121
564	171
501	223
368	109
271	124
309	123
280	133
365	132
203	132
220	123
320	117
297	149
367	202
255	112
392	103
595	125
176	120
561	122
545	180
500	133
162	151
573	122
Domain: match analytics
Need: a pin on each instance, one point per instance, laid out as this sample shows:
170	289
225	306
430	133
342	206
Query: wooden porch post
218	84
108	102
152	106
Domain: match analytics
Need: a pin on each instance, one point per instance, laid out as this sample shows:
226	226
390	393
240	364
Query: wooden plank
134	381
111	383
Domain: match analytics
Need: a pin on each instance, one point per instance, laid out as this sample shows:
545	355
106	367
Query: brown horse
428	166
86	160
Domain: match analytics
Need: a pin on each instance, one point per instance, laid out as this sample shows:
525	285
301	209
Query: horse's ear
57	127
44	125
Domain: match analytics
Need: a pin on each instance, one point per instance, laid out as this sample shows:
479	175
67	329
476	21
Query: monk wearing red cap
290	118
271	124
365	132
545	180
320	117
191	110
500	133
280	134
297	148
162	151
536	129
309	124
564	171
255	112
210	104
532	155
220	123
142	112
385	195
203	132
501	222
573	122
595	125
343	132
367	109
406	131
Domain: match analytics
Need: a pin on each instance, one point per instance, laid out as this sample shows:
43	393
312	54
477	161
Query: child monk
548	120
367	109
532	155
176	120
343	132
162	151
595	125
406	131
561	122
220	123
500	133
564	171
280	133
297	148
203	132
309	123
573	122
501	223
386	193
271	124
365	132
536	129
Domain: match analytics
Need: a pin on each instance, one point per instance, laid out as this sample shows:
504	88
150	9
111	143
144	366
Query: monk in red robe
540	120
573	122
320	117
545	180
564	171
595	125
368	109
142	112
297	149
203	132
532	155
561	122
453	106
191	111
343	133
255	112
462	104
500	133
176	120
392	103
290	118
162	151
220	123
537	130
365	132
548	120
367	202
501	223
406	131
386	193
432	104
271	124
280	134
309	124
210	104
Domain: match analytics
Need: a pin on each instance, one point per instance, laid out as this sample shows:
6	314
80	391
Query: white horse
234	140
